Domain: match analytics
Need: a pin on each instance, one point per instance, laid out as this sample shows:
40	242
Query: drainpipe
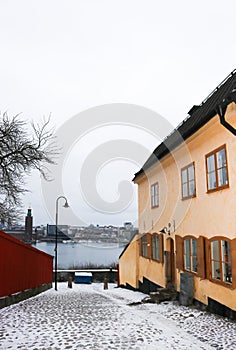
221	109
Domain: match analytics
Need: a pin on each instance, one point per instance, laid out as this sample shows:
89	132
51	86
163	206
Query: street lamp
66	205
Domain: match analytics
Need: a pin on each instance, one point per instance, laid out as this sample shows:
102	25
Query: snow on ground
89	317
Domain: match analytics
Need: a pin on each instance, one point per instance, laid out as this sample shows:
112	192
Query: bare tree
20	153
9	214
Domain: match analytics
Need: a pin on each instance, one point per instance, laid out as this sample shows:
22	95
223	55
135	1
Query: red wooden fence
22	266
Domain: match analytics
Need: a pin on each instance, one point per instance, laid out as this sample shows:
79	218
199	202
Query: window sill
189	197
217	189
192	272
145	257
221	283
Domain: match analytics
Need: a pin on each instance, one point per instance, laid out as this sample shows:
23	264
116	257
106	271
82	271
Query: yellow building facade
187	207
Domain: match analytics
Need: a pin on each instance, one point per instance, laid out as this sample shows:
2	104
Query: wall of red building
22	266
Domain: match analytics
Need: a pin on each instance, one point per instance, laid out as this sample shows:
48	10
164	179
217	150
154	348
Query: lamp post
66	205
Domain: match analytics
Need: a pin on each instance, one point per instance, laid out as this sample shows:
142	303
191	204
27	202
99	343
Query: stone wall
25	294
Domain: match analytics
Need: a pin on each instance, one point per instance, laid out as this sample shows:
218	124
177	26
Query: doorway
170	263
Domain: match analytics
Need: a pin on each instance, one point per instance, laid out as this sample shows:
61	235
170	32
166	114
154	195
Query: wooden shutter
149	245
208	258
161	248
140	246
233	261
201	263
179	252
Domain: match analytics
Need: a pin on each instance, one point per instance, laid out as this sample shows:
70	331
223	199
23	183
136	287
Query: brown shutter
140	246
233	257
179	252
208	258
149	245
201	264
161	248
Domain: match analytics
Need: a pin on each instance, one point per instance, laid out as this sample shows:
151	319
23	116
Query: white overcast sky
63	57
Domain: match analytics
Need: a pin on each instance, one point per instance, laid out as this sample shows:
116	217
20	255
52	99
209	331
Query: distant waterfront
80	254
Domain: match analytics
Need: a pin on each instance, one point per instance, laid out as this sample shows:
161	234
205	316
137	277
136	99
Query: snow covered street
89	317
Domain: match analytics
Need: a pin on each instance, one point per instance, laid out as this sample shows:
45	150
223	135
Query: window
217	172
221	260
190	254
155	247
144	246
155	195
188	181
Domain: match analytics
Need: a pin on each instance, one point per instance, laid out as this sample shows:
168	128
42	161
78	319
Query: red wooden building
23	268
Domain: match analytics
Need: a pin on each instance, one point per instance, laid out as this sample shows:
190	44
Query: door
170	263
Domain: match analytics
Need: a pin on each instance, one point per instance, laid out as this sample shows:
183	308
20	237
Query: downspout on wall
221	110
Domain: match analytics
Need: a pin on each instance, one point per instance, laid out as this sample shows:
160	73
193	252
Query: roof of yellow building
198	116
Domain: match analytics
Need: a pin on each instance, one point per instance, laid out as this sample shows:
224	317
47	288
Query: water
72	254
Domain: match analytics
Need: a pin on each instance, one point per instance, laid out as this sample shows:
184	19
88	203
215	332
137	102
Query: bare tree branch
20	153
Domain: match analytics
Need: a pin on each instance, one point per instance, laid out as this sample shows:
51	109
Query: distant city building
108	233
23	233
128	226
29	224
127	231
62	232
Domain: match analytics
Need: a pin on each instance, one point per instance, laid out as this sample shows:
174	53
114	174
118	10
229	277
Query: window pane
215	250
154	195
222	177
211	181
191	172
226	261
186	247
194	254
144	246
156	189
184	175
156	201
191	188
221	158
225	251
194	247
153	190
155	247
227	274
187	262
215	257
187	254
185	190
194	264
210	163
216	269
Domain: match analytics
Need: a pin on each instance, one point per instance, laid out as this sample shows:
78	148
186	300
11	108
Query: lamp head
164	230
66	205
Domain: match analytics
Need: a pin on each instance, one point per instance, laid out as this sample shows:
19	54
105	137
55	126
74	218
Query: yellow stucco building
187	208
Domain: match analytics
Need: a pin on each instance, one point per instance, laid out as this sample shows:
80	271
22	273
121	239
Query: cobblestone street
88	317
